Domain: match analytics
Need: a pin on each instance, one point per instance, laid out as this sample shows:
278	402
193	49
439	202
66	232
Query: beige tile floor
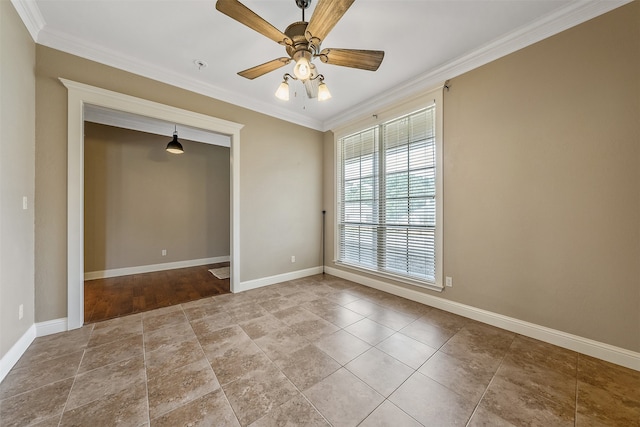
315	351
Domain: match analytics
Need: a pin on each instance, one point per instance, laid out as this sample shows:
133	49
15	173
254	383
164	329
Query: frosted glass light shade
283	91
323	92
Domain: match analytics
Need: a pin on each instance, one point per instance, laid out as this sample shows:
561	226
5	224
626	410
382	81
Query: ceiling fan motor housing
300	45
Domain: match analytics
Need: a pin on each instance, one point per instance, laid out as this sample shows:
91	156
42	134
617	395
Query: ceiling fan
302	42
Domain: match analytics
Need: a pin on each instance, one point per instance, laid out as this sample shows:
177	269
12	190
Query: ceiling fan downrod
303	4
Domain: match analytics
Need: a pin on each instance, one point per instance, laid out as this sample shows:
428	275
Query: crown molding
30	14
564	18
551	24
60	41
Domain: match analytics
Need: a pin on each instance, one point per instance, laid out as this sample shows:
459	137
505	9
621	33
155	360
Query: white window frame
417	102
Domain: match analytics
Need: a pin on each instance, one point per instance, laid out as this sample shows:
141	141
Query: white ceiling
425	43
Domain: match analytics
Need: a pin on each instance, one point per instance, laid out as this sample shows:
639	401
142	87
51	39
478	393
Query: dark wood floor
119	296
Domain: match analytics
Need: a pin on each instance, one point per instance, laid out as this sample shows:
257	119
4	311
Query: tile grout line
75	376
301	392
146	377
417	371
475	409
145	358
511	351
386	398
294	384
211	367
235	414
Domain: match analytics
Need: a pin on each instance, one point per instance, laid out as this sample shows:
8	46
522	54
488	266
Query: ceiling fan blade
354	58
265	68
241	13
325	16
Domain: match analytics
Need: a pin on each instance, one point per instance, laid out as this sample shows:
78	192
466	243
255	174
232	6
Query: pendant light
174	147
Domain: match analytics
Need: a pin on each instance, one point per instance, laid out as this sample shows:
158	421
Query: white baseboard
279	278
51	327
609	353
14	354
117	272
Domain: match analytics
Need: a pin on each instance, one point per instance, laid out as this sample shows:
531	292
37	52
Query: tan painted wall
139	199
280	176
542	182
17	154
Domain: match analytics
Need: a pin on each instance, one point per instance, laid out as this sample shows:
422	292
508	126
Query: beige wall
139	199
280	176
17	153
541	179
542	182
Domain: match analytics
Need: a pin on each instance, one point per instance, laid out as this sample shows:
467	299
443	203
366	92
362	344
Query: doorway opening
154	222
80	95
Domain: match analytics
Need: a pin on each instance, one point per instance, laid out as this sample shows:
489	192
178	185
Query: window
387	198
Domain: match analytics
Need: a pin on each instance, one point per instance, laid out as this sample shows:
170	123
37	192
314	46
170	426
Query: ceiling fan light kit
283	90
323	92
302	41
302	69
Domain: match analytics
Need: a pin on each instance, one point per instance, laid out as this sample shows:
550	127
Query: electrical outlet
164	252
20	312
448	282
293	258
25	204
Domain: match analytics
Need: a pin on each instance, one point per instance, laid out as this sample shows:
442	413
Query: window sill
400	279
